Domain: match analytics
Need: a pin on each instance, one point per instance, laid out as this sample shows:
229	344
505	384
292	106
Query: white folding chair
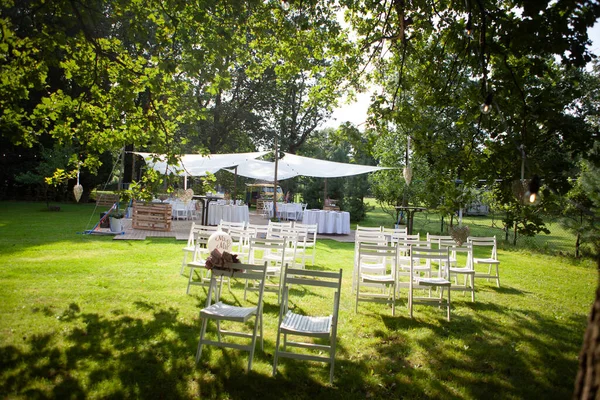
221	311
190	247
366	237
466	270
240	242
373	283
300	326
198	273
442	241
490	259
272	251
300	211
180	211
441	282
311	240
292	237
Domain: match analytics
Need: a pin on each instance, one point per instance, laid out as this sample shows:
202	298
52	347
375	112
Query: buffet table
229	213
329	222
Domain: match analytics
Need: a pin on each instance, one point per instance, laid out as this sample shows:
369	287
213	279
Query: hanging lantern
77	192
407	173
77	189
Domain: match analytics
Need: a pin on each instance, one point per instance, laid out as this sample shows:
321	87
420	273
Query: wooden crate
106	200
152	216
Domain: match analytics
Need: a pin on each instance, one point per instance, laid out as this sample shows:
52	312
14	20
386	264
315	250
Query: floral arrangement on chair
460	234
218	260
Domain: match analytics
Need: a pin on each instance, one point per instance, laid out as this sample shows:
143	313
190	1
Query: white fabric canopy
324	169
198	165
292	165
263	170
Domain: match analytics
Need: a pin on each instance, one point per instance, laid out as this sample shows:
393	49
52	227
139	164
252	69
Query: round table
229	213
329	222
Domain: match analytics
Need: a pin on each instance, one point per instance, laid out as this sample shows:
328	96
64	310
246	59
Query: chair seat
377	278
462	270
306	325
486	261
225	311
273	270
433	281
189	248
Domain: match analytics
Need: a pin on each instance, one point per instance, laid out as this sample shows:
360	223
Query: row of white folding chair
381	229
488	255
375	237
296	242
418	275
291	324
303	246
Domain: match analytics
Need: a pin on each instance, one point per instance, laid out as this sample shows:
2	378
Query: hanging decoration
407	173
77	189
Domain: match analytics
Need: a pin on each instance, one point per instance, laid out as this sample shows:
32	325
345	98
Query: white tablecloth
289	211
216	212
329	221
180	205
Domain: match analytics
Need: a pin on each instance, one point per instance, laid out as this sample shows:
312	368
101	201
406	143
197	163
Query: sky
356	112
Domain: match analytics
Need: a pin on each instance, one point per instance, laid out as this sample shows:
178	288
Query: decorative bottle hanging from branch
77	189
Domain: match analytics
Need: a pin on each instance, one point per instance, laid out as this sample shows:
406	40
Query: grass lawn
85	316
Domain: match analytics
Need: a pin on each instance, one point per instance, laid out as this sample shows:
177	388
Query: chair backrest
239	271
197	228
466	250
267	246
321	279
276	225
485	241
225	226
311	230
258	230
370	237
416	238
369	228
377	254
438	256
396	231
439	240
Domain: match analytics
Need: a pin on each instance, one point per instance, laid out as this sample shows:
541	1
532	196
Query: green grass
86	316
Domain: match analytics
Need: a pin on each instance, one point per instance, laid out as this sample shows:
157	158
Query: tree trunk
588	376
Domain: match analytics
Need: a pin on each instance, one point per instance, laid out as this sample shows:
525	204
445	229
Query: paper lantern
407	173
77	191
220	241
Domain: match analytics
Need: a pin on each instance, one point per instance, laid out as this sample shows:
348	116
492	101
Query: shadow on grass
512	353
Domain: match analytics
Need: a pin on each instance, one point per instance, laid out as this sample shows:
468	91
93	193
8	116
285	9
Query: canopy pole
275	180
235	184
325	198
185	182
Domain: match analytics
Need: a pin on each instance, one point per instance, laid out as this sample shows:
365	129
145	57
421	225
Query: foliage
147	187
50	173
584	199
434	76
